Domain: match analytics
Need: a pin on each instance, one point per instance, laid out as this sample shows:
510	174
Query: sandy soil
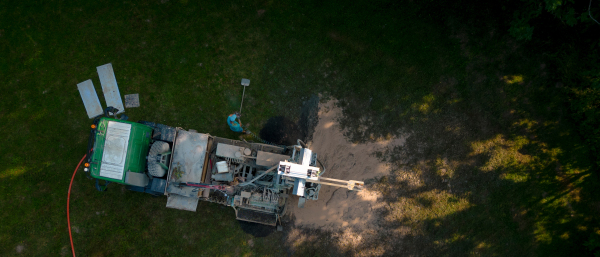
337	208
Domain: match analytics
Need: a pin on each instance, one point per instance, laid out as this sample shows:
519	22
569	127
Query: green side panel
137	149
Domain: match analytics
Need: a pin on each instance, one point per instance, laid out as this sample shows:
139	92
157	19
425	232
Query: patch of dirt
348	212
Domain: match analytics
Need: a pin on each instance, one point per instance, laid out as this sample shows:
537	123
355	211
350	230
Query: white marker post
245	83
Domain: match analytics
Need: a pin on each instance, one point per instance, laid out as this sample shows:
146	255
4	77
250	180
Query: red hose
68	200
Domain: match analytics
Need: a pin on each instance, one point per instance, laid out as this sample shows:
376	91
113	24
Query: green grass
492	165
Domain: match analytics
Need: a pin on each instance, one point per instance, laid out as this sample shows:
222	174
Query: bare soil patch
350	215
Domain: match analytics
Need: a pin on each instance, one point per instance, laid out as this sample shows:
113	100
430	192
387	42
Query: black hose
112	110
323	171
302	143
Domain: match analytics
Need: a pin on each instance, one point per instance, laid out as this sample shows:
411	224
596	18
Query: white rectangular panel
182	202
115	150
90	99
110	87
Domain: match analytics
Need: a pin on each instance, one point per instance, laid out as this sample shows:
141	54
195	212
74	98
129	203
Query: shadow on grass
281	131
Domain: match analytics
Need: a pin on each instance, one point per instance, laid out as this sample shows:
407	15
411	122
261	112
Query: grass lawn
492	165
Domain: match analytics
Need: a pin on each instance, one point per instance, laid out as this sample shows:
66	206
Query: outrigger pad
110	87
182	202
90	99
132	100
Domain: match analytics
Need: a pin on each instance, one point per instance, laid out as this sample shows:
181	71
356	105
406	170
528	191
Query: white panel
299	186
115	150
306	154
109	87
90	99
182	202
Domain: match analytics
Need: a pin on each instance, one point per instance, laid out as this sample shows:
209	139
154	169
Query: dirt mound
338	208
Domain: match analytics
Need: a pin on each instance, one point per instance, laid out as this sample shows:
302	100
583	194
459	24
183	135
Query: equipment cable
324	169
68	201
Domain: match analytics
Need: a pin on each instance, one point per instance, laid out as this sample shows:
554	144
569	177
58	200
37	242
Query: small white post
245	83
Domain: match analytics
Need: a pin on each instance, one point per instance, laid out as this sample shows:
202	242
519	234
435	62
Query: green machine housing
120	148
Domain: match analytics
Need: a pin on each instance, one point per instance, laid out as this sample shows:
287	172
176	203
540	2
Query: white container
222	167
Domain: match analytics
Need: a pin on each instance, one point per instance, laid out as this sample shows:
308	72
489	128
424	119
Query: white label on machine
115	150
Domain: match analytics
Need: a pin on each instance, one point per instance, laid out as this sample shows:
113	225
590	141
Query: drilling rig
186	166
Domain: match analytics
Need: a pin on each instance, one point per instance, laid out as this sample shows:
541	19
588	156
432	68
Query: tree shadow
281	130
492	164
